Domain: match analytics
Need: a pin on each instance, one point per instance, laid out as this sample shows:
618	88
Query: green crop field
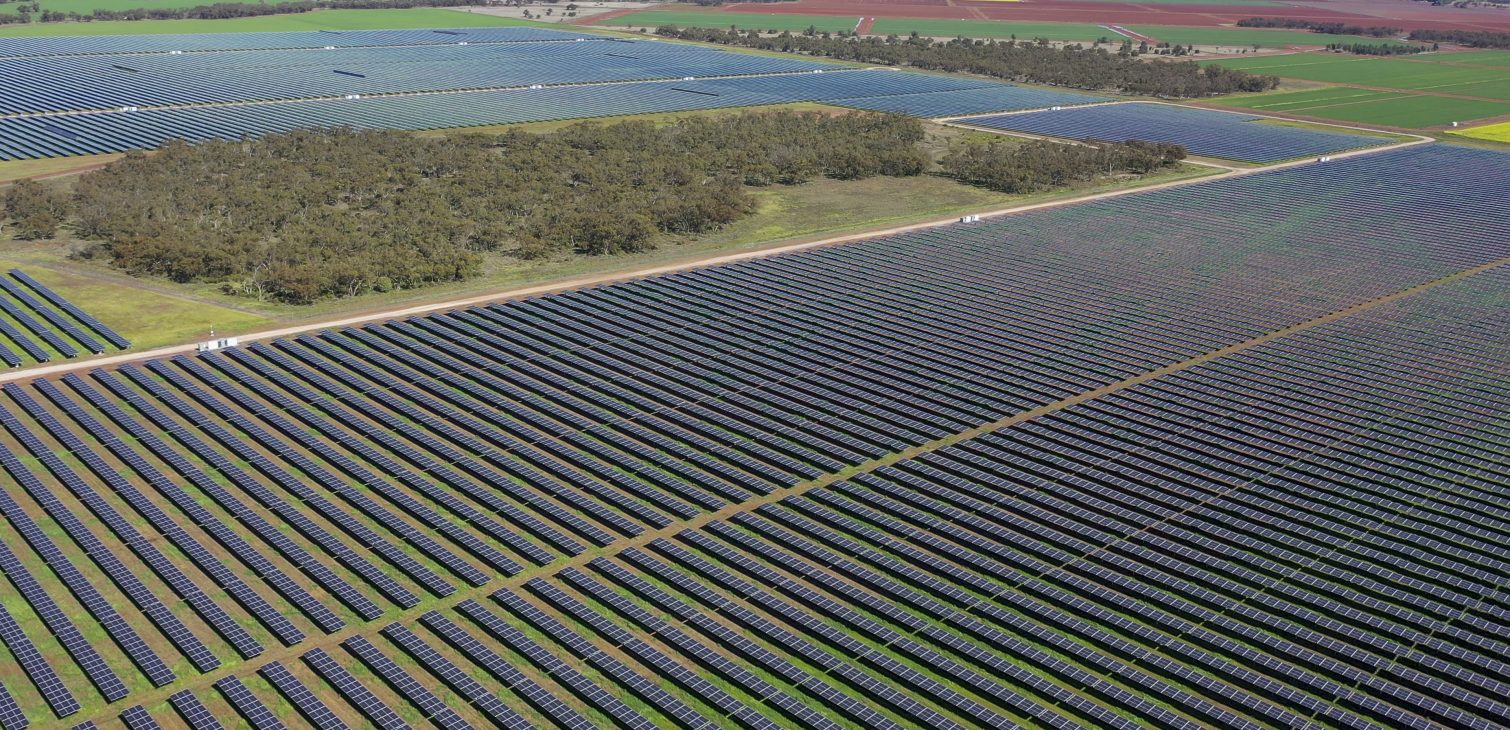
1243	37
1447	92
1386	72
1471	58
743	21
315	20
1390	108
992	29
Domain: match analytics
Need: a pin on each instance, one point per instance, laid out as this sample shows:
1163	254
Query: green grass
12	170
992	29
1481	58
146	317
744	21
1364	106
315	20
1243	37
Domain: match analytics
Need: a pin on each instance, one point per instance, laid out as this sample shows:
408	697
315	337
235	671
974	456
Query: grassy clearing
1243	37
314	20
743	21
1492	132
12	170
146	314
658	119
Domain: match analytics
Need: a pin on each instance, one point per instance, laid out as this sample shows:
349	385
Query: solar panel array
99	132
1309	532
167	43
111	82
1204	132
31	311
970	101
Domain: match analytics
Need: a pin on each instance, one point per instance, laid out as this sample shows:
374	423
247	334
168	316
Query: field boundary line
329	641
551	287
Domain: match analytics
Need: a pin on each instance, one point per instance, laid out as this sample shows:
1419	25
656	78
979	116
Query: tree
36	210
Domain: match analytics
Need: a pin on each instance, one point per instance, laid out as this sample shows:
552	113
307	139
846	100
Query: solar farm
144	90
38	324
1210	133
1226	449
1144	461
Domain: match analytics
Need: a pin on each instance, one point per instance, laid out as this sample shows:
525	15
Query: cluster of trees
1379	49
35	209
1038	165
1472	38
1036	62
315	214
1316	26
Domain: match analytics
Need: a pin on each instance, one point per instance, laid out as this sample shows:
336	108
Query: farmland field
1492	132
1473	58
1386	72
311	21
1427	91
743	21
992	29
1395	109
1243	37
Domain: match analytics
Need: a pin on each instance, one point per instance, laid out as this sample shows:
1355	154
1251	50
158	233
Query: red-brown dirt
1406	14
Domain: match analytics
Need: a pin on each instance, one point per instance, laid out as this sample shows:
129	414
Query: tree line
1471	38
1379	49
1073	66
315	214
1038	165
1320	26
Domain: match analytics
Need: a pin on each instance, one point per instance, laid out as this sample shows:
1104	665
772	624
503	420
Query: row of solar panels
93	133
1204	132
63	327
540	426
116	82
19	47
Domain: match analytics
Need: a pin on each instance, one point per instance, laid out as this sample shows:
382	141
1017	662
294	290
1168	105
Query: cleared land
991	29
1244	37
146	313
314	20
743	21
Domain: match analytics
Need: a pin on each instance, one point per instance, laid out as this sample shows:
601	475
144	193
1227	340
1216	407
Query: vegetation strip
334	639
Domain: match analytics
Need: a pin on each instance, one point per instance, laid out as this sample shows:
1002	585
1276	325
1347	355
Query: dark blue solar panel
1202	131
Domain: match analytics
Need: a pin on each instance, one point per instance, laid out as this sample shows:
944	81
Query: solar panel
193	711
